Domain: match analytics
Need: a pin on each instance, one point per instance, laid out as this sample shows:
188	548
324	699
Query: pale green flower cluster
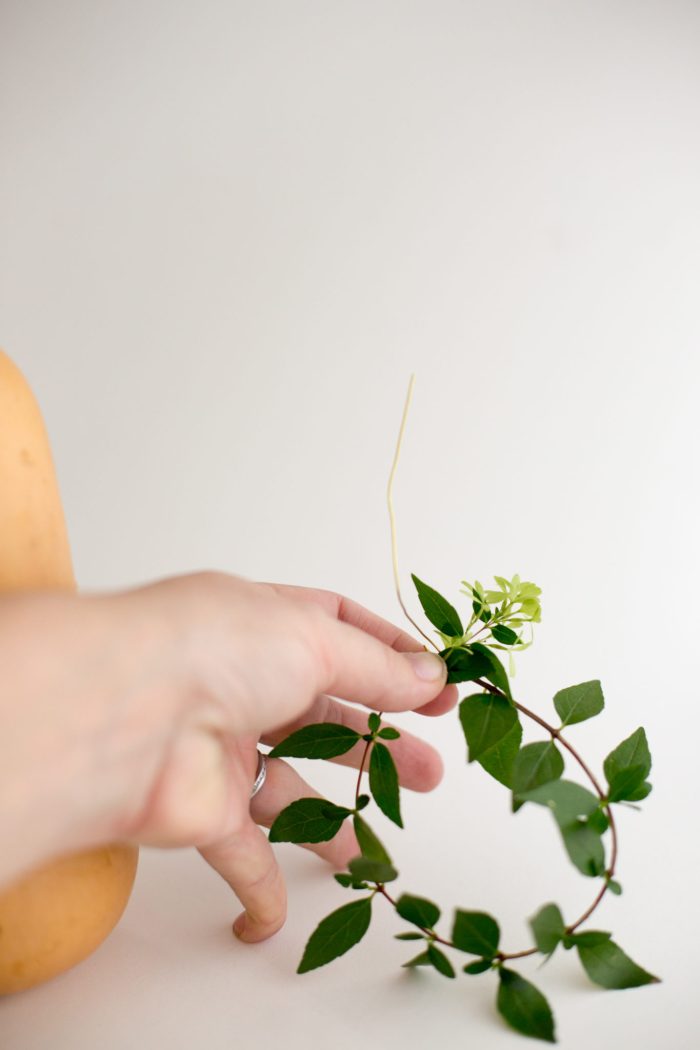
503	611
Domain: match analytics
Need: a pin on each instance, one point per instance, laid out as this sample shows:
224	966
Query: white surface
229	233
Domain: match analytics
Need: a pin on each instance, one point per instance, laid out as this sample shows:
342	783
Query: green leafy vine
533	773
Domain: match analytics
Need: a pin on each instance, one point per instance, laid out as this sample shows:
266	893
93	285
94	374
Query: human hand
192	672
270	659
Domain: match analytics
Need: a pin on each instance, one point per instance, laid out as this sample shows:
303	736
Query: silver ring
260	775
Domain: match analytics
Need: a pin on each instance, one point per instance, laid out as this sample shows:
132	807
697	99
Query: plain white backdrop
229	233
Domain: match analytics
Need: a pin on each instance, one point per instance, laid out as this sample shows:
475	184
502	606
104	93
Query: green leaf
374	870
321	740
496	673
362	801
535	764
480	966
587	938
579	702
486	719
628	766
389	733
464	666
567	800
336	934
409	936
384	782
370	845
598	820
524	1007
418	910
499	760
548	928
440	961
419	960
308	820
585	849
347	880
438	610
374	722
615	887
476	932
607	965
639	793
504	634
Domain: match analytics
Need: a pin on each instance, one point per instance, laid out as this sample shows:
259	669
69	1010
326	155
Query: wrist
90	684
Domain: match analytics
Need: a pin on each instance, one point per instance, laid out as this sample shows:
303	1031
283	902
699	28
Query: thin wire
392	521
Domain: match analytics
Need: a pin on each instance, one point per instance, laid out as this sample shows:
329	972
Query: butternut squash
56	916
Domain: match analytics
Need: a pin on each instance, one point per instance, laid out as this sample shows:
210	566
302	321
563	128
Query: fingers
247	862
345	610
283	785
349	611
419	765
356	666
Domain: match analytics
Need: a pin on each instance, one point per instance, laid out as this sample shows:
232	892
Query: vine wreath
490	720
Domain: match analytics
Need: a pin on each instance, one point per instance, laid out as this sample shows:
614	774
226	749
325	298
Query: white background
230	232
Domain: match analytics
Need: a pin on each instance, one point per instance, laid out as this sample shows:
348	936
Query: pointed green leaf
639	793
504	634
464	666
438	610
348	881
480	966
579	702
384	782
321	740
524	1007
496	673
374	722
627	766
308	820
336	934
585	849
419	960
418	910
409	937
440	961
499	760
598	820
374	870
607	965
389	733
370	845
548	928
362	801
476	932
588	938
567	800
535	764
486	719
615	887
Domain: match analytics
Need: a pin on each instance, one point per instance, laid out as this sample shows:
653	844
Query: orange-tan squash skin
56	916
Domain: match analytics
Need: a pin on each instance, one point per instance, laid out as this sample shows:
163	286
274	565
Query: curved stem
368	744
556	735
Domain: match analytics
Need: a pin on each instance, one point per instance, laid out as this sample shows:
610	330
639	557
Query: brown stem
426	929
368	745
555	733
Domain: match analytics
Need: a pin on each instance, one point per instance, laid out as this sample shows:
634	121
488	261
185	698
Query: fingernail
428	667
